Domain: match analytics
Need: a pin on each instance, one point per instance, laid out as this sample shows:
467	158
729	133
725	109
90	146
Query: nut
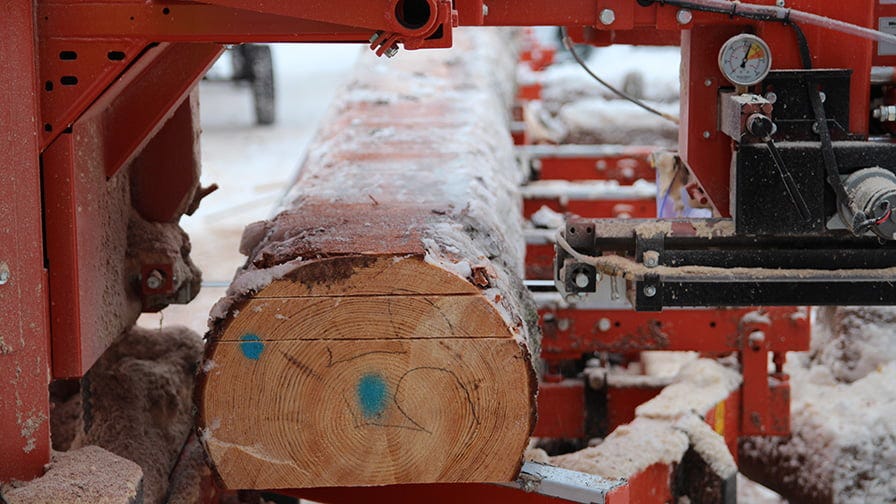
607	16
154	280
684	16
651	258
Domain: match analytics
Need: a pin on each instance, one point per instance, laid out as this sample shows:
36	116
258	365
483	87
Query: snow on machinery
794	168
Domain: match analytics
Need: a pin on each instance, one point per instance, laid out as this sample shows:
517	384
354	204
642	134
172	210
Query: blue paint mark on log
372	394
252	346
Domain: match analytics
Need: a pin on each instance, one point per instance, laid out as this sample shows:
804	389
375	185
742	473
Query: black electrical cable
569	46
861	222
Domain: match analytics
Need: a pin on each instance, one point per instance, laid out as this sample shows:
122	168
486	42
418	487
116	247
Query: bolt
154	280
391	52
484	10
779	3
604	324
684	16
375	37
815	128
651	259
707	82
771	97
4	273
707	134
581	280
824	97
650	291
601	164
607	16
536	164
756	339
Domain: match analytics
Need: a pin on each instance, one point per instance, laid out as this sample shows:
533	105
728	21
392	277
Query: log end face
296	414
394	372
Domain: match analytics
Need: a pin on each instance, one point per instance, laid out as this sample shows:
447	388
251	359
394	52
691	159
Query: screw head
4	273
154	280
771	97
707	134
607	16
684	16
392	51
707	82
604	324
650	291
581	280
780	3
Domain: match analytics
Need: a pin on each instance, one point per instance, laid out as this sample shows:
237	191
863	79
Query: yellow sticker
720	418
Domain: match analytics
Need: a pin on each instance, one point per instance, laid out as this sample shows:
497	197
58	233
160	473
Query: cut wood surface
380	332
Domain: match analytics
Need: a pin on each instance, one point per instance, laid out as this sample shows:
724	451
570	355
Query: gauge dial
745	59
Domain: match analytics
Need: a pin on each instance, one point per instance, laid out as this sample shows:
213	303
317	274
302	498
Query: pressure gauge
745	59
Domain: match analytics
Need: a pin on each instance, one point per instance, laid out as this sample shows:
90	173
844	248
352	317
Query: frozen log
380	332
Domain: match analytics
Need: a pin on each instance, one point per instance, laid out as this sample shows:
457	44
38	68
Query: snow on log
380	332
665	430
842	446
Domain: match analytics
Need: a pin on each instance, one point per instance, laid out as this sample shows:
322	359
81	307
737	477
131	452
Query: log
379	332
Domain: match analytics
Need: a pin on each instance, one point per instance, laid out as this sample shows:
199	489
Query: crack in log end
331	362
251	346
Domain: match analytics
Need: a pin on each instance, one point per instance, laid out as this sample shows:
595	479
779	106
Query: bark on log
379	332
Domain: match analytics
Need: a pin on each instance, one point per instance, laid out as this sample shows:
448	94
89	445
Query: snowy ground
252	164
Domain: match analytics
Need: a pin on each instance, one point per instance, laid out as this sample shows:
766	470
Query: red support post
83	193
24	327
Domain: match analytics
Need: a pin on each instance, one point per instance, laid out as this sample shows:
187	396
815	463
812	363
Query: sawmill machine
786	136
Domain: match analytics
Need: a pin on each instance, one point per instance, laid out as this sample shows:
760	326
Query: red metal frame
24	325
87	129
569	333
441	493
77	166
625	164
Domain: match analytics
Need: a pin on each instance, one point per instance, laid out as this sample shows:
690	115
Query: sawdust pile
843	443
138	401
87	475
135	402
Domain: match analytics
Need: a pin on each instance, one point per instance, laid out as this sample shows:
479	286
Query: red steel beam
440	493
625	164
76	168
614	207
569	333
24	327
